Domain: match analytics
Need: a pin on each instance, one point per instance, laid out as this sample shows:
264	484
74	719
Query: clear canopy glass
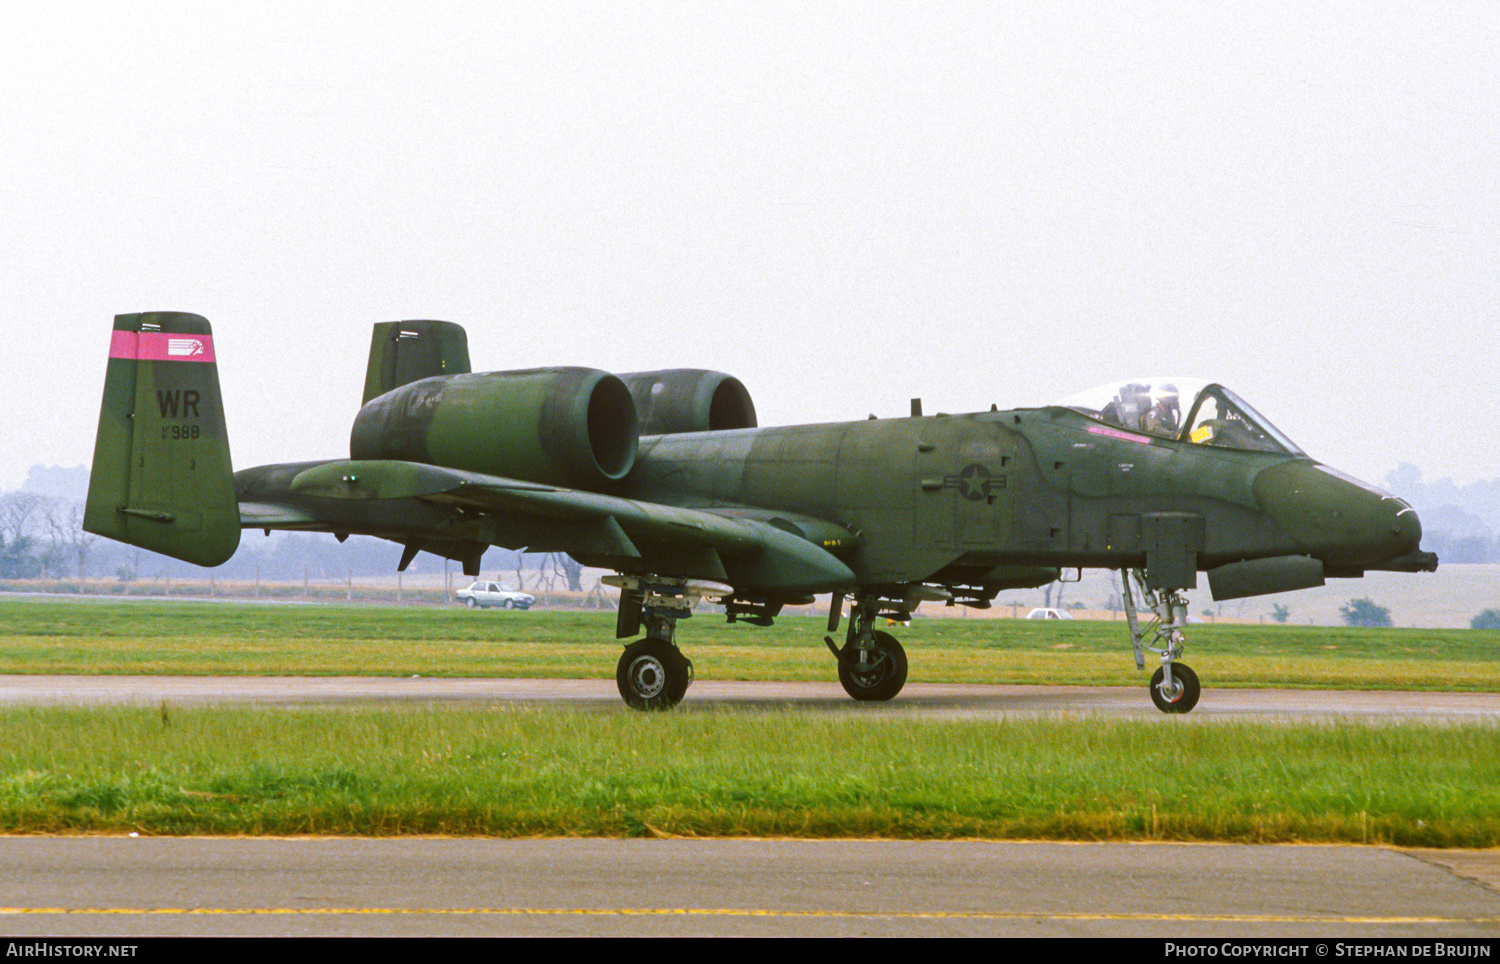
1183	409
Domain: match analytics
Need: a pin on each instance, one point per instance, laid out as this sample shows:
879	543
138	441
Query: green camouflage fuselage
990	500
975	499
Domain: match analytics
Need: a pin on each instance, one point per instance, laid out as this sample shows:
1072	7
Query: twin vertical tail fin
402	352
162	478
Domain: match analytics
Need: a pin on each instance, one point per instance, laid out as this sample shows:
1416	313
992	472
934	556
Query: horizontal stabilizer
266	515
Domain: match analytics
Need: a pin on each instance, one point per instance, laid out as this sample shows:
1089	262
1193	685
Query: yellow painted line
734	912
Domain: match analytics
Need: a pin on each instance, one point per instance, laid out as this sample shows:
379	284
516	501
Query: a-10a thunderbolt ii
664	478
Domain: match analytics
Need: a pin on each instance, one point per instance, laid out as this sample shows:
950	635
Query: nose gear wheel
1182	696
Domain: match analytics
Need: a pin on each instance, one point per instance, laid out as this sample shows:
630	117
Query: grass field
508	772
185	638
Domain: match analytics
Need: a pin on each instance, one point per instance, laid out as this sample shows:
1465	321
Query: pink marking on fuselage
161	346
1116	433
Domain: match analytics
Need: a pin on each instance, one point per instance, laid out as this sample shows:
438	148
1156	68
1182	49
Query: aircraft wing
437	508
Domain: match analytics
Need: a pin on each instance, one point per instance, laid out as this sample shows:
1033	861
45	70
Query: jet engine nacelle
573	427
677	400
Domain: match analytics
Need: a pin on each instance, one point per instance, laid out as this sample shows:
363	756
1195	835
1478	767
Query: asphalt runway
80	886
936	700
123	886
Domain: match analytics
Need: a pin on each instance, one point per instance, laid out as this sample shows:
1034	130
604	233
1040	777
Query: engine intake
562	426
677	400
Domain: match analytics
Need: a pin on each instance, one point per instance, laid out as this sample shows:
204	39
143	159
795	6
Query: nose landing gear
1174	687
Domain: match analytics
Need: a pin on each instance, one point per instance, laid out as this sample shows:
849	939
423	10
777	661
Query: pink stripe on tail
161	346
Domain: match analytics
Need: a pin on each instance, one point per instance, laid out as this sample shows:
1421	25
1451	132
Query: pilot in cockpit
1188	410
1165	415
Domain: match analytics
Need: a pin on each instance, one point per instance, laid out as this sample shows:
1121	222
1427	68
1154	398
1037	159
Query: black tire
1186	699
471	603
653	675
510	604
884	675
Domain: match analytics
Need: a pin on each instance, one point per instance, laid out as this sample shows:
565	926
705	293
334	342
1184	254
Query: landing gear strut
652	673
872	664
1174	687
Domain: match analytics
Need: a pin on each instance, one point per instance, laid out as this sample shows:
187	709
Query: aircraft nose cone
1337	518
1407	528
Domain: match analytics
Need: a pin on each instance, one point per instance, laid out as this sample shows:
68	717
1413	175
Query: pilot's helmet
1166	396
1166	411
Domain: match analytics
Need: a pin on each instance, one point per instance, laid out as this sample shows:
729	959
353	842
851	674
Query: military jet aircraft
664	478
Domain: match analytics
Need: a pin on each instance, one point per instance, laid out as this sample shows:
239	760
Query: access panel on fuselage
794	468
961	471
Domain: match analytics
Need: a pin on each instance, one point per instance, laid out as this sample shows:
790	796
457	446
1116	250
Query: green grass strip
194	639
561	772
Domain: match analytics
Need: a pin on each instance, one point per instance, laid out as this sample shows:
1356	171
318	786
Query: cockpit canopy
1183	409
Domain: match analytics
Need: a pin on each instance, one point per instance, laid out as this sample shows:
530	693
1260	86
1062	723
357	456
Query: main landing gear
1174	687
652	673
872	664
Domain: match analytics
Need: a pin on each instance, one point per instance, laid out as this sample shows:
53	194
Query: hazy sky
846	205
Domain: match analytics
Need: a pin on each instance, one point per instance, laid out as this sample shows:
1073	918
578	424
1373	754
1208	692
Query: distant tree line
42	537
1365	612
1458	522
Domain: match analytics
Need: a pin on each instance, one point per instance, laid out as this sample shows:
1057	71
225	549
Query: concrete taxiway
921	699
184	886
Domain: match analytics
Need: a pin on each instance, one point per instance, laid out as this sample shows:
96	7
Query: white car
1049	614
483	595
